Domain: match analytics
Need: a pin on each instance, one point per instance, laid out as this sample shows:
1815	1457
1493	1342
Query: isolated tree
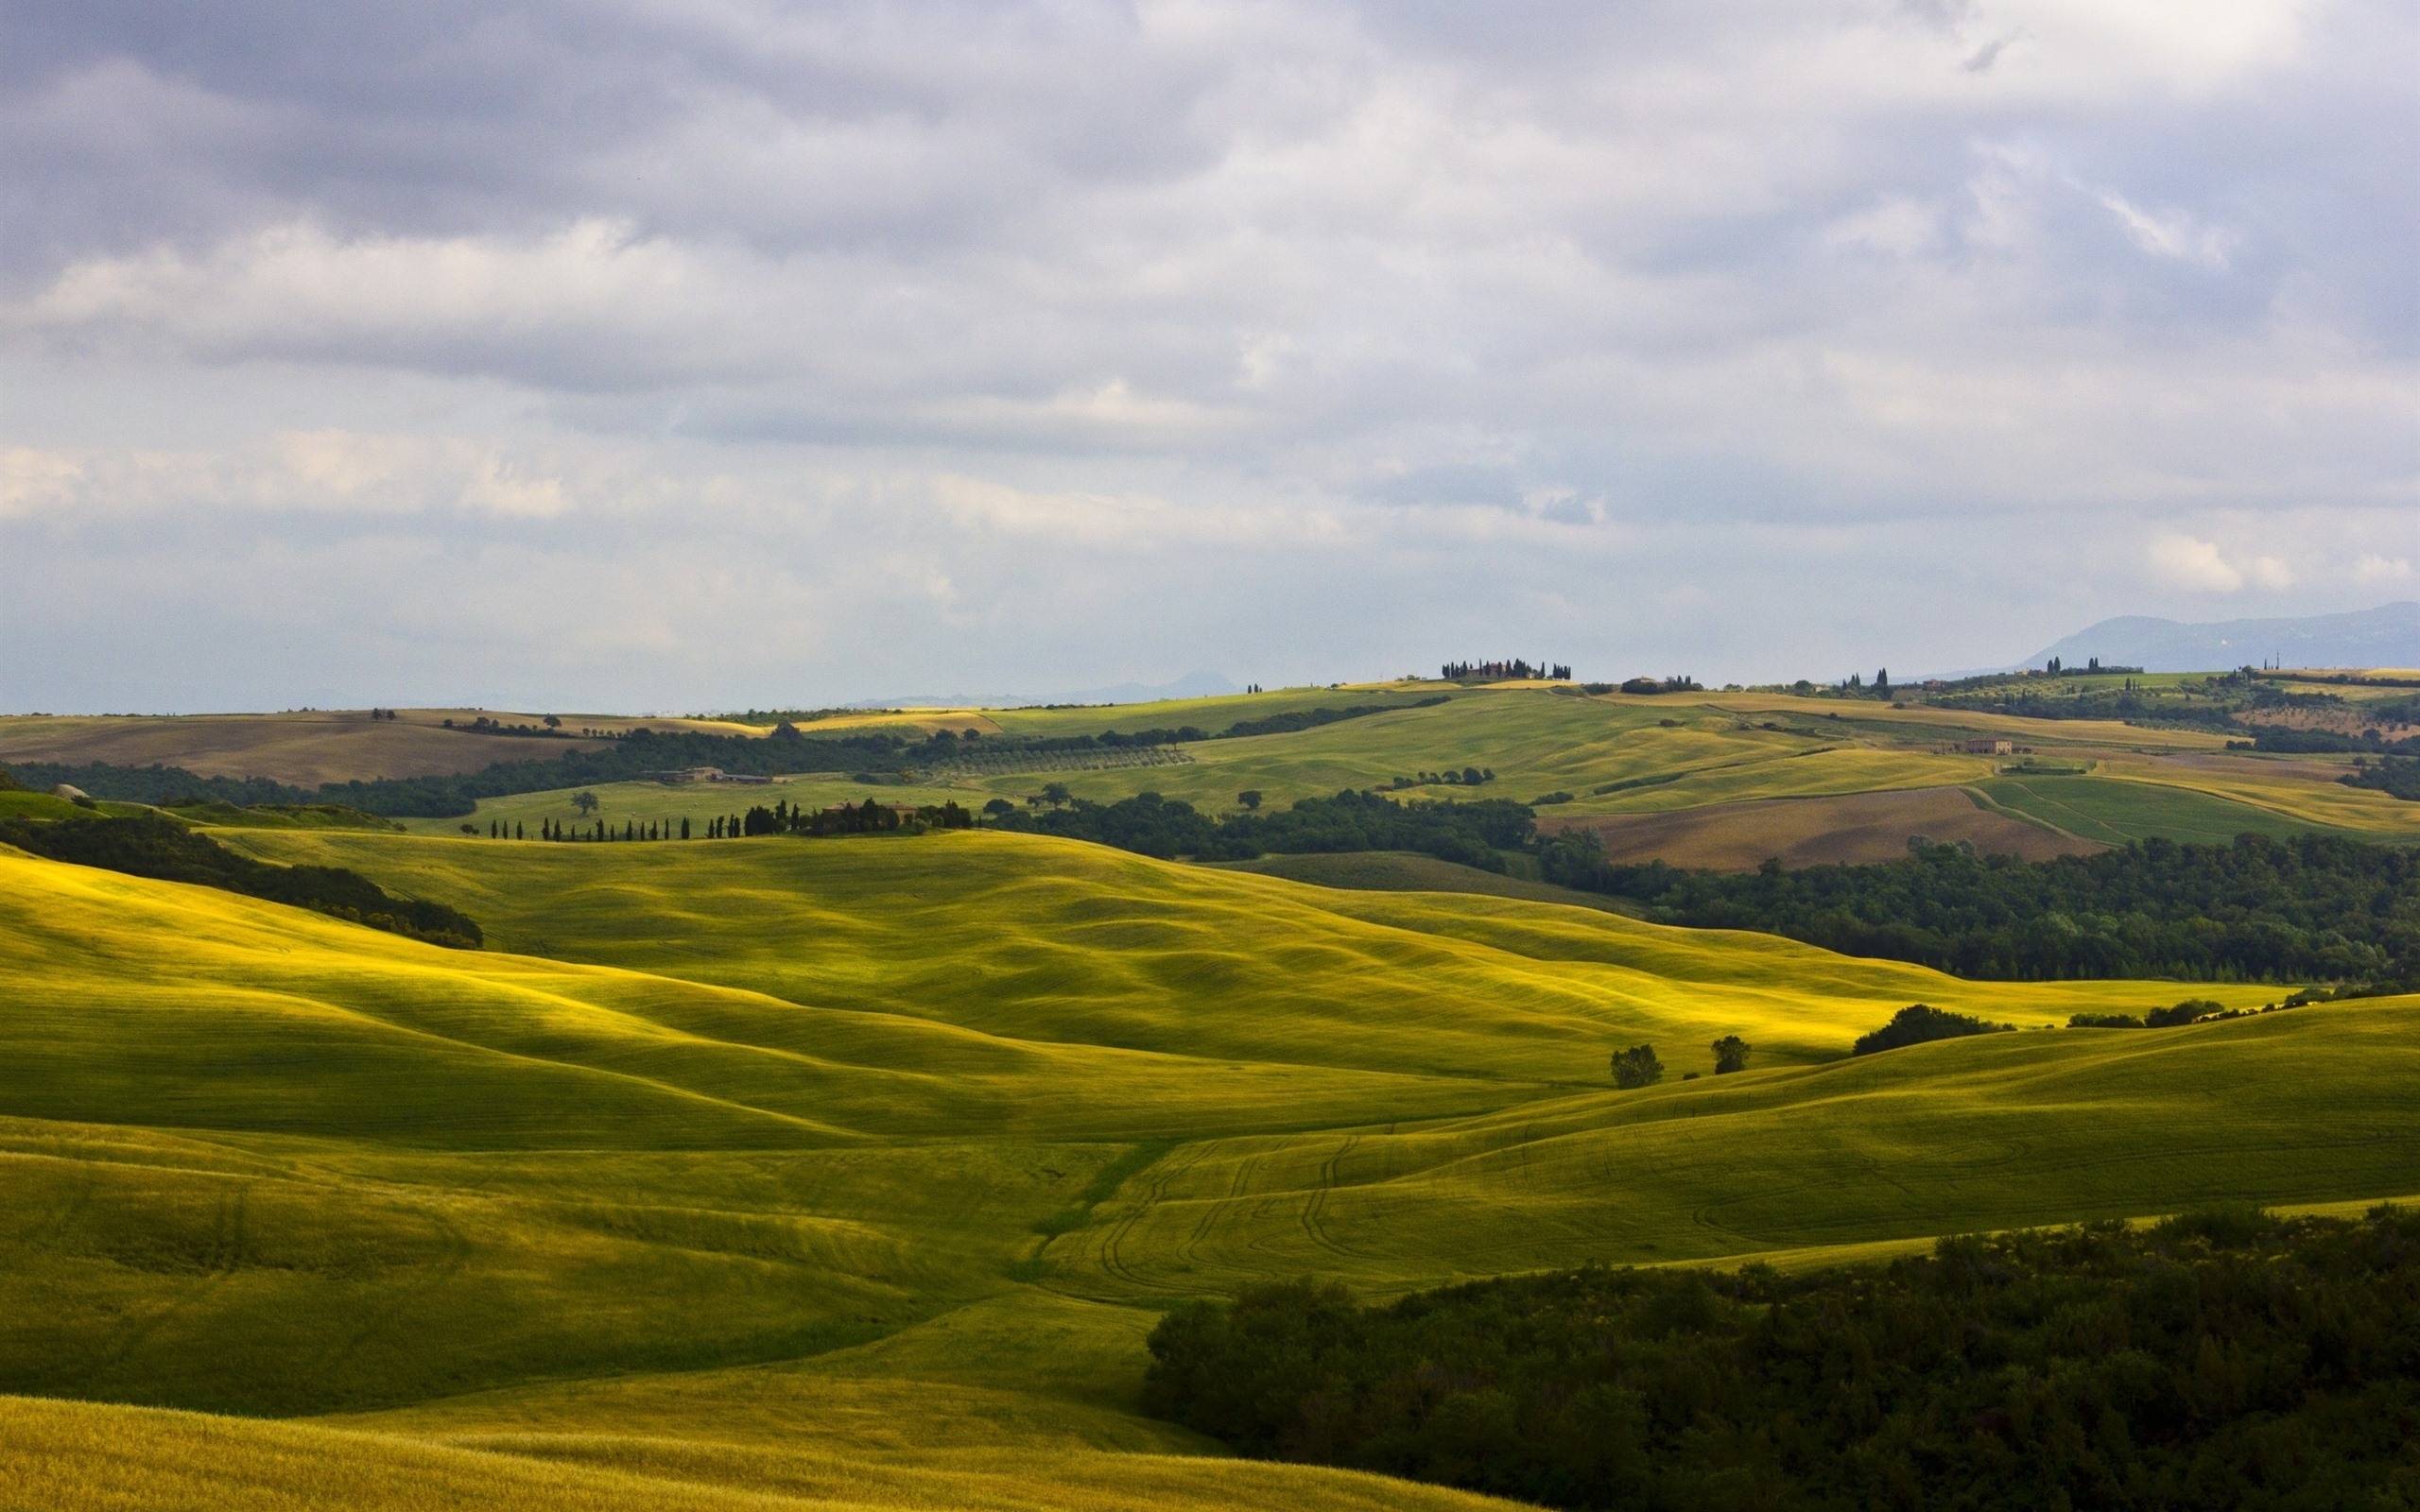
471	830
1637	1067
1249	797
585	801
1730	1055
553	723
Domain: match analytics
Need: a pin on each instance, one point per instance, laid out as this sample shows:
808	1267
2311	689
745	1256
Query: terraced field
818	1173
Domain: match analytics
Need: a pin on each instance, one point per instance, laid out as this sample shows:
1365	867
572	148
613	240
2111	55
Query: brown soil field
1805	831
305	750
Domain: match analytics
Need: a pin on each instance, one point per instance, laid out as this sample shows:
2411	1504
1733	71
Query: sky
655	356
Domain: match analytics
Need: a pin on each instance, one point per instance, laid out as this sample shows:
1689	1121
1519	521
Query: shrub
2182	1014
2103	1020
1918	1023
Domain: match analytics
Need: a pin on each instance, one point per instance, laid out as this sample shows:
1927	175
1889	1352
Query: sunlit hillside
852	1170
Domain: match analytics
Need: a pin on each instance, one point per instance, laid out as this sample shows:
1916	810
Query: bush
1637	1067
2103	1020
2182	1014
1919	1024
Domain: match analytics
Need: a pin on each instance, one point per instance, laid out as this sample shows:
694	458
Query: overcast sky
699	354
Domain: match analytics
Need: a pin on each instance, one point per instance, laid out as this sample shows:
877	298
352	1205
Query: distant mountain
2387	636
1192	685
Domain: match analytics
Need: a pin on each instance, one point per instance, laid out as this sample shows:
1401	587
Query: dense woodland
2398	777
151	845
2311	908
2216	1360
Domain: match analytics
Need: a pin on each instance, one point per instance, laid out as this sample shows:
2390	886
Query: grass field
1409	871
2113	811
790	1173
1855	828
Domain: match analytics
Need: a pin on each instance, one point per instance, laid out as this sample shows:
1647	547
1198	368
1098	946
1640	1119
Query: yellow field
2280	789
787	1173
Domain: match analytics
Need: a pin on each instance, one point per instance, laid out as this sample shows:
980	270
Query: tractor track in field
223	1256
456	1259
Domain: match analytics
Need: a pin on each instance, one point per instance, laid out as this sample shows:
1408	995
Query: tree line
869	818
2218	1359
1515	670
2312	907
2395	776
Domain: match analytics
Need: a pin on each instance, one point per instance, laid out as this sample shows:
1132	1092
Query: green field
2114	811
852	1171
1614	755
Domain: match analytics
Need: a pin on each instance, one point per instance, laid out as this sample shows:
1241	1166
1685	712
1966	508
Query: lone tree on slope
1730	1055
585	801
1637	1067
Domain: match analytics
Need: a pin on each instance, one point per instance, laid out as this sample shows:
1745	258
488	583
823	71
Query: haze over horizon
619	356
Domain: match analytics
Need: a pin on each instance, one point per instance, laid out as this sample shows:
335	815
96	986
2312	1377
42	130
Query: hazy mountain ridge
2387	636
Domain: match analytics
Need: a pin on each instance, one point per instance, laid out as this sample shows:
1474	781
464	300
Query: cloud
1212	298
2188	562
319	474
2171	232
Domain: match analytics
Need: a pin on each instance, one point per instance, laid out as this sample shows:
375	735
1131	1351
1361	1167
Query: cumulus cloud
2200	566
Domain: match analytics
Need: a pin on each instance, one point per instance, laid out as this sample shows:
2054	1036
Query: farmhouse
707	774
1990	748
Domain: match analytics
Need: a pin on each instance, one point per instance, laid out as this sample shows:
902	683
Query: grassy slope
1992	1132
1054	941
789	1120
1411	872
82	1457
2113	811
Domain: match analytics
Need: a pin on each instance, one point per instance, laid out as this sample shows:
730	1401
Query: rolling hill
790	1173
